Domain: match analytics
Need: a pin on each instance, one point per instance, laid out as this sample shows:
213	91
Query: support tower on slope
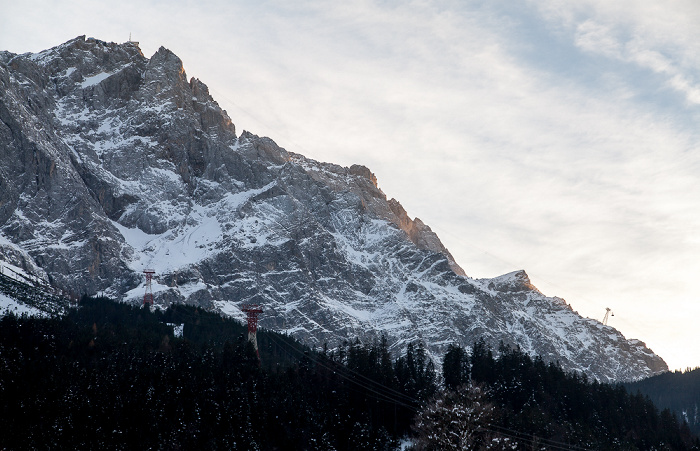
608	312
252	311
148	297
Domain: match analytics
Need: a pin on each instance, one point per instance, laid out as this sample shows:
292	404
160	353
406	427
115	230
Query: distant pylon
148	297
607	312
252	312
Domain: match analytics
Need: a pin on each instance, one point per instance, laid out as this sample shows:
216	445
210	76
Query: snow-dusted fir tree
459	420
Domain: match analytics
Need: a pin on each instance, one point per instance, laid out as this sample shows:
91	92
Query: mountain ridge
116	162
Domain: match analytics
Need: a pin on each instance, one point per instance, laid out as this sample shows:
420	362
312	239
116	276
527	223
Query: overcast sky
553	136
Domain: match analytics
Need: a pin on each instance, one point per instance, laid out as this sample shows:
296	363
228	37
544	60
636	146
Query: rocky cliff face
113	163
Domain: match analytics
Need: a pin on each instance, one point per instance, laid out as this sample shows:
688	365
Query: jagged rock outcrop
113	163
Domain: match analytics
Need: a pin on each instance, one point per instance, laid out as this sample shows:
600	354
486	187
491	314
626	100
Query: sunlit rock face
112	163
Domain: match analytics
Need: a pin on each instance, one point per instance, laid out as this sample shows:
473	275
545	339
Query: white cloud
597	38
660	37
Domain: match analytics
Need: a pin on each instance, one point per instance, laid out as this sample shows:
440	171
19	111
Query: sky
552	136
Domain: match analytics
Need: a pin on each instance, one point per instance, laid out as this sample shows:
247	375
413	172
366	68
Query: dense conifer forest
530	400
112	376
107	375
678	391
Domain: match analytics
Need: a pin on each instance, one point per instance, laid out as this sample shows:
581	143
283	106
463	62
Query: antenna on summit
136	43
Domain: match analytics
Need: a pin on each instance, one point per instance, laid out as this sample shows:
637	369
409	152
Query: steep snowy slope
113	163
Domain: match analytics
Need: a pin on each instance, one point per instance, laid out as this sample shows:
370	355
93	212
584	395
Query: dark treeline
108	375
678	391
112	376
512	401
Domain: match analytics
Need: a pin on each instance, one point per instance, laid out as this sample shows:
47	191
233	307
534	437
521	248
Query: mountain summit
113	163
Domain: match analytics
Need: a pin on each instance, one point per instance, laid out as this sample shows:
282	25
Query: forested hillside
107	375
678	391
112	376
511	401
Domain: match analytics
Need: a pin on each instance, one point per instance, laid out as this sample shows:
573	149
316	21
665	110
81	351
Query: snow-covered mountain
113	163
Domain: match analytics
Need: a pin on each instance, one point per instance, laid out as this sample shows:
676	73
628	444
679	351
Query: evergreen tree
455	367
458	420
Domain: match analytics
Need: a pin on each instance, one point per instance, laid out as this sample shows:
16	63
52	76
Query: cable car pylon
608	313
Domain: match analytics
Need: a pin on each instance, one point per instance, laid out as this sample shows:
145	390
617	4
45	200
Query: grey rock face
113	163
